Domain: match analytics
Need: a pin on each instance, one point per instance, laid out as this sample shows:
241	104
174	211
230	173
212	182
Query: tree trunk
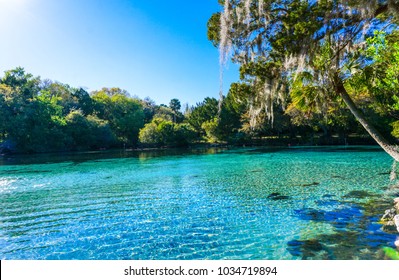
374	133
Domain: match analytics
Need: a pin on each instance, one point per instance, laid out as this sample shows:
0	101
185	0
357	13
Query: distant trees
166	128
125	115
175	106
160	132
87	132
27	120
41	116
215	126
204	112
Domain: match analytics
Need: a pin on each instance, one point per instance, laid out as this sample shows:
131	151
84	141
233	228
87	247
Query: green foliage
66	98
375	82
175	106
78	129
211	129
214	28
160	132
24	85
381	76
83	101
149	108
395	129
27	119
111	92
203	112
125	115
149	135
41	116
223	126
164	112
87	132
127	118
391	253
230	122
306	56
184	134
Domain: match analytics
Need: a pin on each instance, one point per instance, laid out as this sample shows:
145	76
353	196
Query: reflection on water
79	157
260	203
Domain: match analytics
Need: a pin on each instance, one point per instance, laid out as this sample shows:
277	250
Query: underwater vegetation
356	225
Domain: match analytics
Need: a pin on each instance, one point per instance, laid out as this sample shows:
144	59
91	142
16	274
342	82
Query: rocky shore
390	219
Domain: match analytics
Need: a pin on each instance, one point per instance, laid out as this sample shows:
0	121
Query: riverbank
272	141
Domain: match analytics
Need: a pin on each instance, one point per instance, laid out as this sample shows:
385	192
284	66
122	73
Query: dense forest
38	115
311	73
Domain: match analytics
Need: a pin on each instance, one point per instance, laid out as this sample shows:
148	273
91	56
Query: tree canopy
41	115
308	54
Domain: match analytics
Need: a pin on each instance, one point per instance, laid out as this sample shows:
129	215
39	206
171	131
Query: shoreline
197	146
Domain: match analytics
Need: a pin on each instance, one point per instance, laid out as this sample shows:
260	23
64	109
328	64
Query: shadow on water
277	196
81	157
357	231
359	194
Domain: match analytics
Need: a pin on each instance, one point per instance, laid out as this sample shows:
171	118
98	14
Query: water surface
258	203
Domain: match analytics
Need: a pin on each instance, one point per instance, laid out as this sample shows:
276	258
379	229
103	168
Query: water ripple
239	204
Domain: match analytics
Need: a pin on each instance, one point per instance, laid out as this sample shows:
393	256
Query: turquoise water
260	203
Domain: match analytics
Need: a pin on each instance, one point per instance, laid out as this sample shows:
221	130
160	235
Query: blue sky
152	48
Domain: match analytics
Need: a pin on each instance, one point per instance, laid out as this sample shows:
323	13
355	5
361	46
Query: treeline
41	116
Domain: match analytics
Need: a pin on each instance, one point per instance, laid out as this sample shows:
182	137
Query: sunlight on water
6	184
223	204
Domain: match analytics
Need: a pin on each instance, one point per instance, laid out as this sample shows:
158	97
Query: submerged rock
358	194
311	184
338	177
389	227
343	218
355	226
310	214
388	215
305	248
390	219
277	196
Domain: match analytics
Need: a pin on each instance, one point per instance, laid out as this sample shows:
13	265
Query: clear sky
152	48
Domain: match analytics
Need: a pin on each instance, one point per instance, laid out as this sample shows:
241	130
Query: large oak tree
308	52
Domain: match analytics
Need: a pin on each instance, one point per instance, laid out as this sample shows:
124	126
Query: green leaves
203	112
160	132
309	54
214	29
124	114
40	116
379	76
391	253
